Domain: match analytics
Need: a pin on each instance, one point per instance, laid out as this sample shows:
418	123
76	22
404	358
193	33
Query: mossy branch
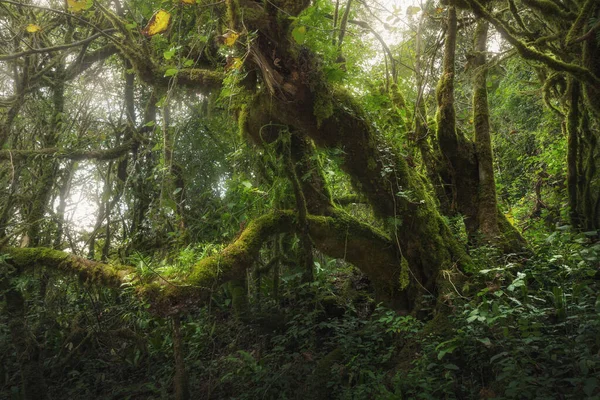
529	53
580	21
339	235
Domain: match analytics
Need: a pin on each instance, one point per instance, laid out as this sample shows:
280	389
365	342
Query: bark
28	351
339	236
469	165
572	150
306	257
43	188
180	381
488	206
65	188
395	191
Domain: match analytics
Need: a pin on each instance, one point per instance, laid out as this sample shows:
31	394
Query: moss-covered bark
395	191
488	206
338	235
469	165
568	46
572	150
332	119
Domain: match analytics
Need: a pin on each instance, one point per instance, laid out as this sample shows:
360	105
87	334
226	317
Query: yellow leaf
76	5
233	63
33	28
188	1
158	23
230	38
509	216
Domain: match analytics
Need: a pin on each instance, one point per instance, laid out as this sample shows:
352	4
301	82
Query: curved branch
531	54
340	236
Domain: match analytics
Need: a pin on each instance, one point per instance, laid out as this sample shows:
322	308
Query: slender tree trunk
64	190
43	188
488	206
572	151
181	380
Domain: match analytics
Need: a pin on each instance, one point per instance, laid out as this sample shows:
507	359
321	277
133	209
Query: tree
151	142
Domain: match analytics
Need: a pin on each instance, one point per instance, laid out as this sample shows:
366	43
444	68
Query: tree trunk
488	206
469	165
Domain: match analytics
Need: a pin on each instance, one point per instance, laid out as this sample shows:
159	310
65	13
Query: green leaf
171	72
299	34
169	53
188	63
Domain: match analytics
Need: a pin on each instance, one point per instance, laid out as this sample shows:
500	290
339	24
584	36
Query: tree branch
6	57
70	154
531	54
340	236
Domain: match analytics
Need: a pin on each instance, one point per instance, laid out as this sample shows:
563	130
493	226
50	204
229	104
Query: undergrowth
528	329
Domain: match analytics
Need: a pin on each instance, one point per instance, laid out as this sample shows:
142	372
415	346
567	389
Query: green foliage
532	332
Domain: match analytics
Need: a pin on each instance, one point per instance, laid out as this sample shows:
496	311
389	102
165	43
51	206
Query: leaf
158	23
230	38
33	28
188	1
233	63
168	54
299	34
171	72
412	10
131	25
188	63
77	5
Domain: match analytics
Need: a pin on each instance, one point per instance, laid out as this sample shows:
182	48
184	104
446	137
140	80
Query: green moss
233	12
323	106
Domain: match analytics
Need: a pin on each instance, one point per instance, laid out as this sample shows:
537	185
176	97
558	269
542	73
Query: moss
233	12
323	105
549	9
529	53
89	271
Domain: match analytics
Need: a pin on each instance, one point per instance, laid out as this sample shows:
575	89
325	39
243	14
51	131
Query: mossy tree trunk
295	94
488	206
469	164
424	139
571	51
